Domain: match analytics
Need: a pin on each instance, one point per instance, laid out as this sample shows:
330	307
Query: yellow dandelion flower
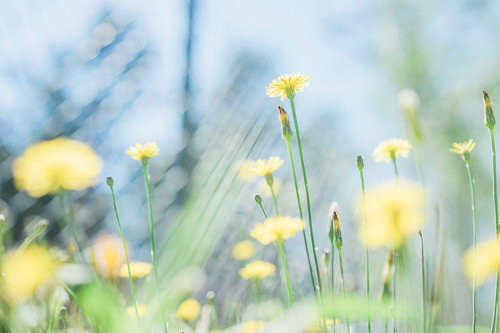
277	228
49	166
138	269
287	85
141	309
463	148
140	152
264	167
263	188
318	327
108	256
393	212
23	271
189	310
483	261
388	149
253	326
257	270
243	250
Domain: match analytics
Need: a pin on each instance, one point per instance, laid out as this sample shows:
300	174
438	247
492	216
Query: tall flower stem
395	165
257	290
497	226
280	245
341	265
109	181
65	203
297	193
258	200
472	183
306	186
396	254
367	258
270	181
422	264
145	168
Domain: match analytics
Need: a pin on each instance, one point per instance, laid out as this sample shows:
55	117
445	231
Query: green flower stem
145	168
367	258
67	217
125	250
341	265
472	183
297	193
422	264
394	278
497	226
262	209
257	291
306	185
332	266
269	181
396	173
280	245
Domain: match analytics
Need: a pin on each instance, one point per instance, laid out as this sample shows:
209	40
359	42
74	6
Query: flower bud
359	162
489	117
335	222
285	124
109	181
258	199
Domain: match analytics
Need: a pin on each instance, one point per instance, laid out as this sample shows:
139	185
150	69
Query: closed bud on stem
326	257
258	199
335	222
285	124
109	181
489	117
359	162
210	295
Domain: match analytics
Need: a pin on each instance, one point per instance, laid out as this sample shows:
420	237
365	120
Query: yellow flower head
243	250
50	166
140	152
276	229
264	190
263	167
141	309
138	269
287	85
386	150
257	270
189	310
463	148
108	256
23	271
483	261
253	326
393	212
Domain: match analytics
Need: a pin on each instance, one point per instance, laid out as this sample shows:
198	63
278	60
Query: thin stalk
145	167
395	165
341	264
282	253
422	264
297	193
367	258
474	232
273	195
394	278
67	217
306	186
262	209
497	226
257	291
125	250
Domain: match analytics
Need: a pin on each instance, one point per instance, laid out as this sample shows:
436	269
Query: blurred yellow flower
483	261
393	212
49	166
264	190
257	270
463	148
23	271
253	326
140	152
243	168
108	255
388	149
189	310
287	85
318	327
263	167
141	309
243	250
138	269
276	229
